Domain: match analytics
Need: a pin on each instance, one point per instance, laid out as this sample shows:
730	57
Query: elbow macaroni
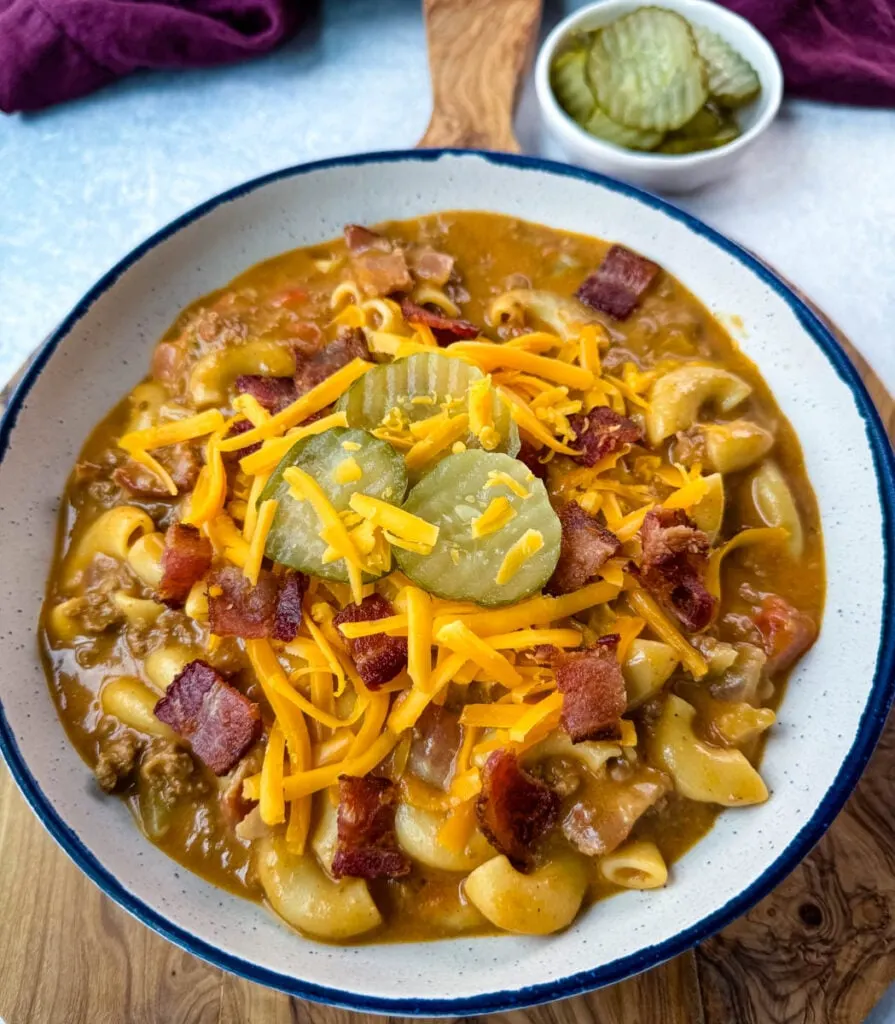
133	704
214	373
776	505
113	533
638	865
145	558
677	397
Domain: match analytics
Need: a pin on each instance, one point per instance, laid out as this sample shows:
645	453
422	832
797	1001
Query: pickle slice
732	80
462	567
603	127
417	387
294	537
677	143
646	70
569	80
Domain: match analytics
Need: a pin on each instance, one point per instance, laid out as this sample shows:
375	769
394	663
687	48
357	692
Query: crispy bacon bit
514	809
185	560
359	239
598	827
619	283
675	556
602	432
351	344
368	846
786	632
584	548
529	456
430	265
220	723
593	691
287	617
240	427
378	658
445	328
437	736
271	608
271	393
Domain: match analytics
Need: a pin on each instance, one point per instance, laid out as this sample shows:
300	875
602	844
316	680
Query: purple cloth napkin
837	50
54	50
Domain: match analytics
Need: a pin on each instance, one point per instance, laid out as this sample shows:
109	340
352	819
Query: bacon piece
140	481
675	556
514	809
599	826
593	691
619	283
602	432
351	344
529	456
378	658
287	617
182	462
431	265
271	608
240	427
437	736
786	632
202	707
271	393
584	548
445	328
359	239
185	560
368	846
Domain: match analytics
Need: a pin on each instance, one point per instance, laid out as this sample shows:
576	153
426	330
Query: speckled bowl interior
833	710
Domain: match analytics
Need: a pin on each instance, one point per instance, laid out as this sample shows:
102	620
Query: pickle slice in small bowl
732	80
472	553
330	458
568	76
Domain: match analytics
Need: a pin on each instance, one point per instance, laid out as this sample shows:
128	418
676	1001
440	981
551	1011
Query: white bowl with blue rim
662	172
830	718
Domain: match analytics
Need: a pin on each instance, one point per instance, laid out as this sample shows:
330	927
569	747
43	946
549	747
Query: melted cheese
317	398
495	517
266	513
529	544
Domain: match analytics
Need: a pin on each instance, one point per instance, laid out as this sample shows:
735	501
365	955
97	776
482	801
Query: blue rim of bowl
872	720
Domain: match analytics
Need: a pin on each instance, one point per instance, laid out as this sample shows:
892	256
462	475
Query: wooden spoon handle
478	51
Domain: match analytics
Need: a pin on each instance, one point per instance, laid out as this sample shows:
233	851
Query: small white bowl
659	171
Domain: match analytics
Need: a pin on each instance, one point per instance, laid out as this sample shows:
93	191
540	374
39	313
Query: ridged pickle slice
646	70
568	77
469	556
603	127
418	387
732	80
333	459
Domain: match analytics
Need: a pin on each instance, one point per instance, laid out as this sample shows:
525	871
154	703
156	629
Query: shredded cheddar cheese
530	543
489	356
440	438
401	525
419	634
461	640
175	432
497	478
272	804
271	451
495	517
347	471
266	513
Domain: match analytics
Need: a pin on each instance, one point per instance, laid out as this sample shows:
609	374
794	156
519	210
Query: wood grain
478	51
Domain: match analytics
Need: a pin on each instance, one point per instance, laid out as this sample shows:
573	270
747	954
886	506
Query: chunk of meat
430	265
240	427
514	809
185	560
601	433
530	457
593	691
599	826
585	546
117	762
675	557
445	328
367	845
619	283
182	462
219	722
360	239
350	345
234	804
378	658
437	736
270	608
170	772
271	393
786	632
140	481
169	363
381	272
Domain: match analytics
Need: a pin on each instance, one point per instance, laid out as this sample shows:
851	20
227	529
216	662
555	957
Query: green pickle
462	567
420	386
568	77
294	538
